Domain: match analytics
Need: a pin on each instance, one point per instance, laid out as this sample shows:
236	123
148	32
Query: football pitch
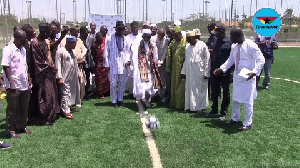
102	136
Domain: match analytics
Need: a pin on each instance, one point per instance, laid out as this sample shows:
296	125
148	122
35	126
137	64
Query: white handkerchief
244	73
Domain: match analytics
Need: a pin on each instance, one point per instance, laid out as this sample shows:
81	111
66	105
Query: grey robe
67	67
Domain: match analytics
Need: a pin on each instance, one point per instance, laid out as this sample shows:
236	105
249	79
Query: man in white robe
134	39
117	59
153	29
196	71
248	61
67	74
144	62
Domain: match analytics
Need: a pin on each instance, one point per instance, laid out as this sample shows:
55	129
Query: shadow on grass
107	104
227	129
3	135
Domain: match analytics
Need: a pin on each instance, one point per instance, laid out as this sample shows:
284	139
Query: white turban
146	31
177	23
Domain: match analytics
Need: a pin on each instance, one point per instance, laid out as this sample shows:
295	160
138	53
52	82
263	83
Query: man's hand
61	81
127	64
80	61
64	32
12	86
251	75
218	71
3	90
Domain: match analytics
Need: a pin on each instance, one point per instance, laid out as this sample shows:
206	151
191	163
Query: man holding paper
246	56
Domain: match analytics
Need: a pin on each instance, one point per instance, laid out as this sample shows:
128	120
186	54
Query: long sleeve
230	61
184	66
106	53
155	54
168	60
165	50
206	56
259	58
127	51
58	64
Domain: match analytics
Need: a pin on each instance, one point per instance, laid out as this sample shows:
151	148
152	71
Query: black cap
219	29
134	23
44	27
119	24
211	25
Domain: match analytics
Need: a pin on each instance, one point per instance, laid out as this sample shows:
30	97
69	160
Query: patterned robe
44	104
101	72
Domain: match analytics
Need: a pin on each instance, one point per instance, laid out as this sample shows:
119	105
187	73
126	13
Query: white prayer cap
197	32
183	33
153	25
190	34
177	23
146	23
146	31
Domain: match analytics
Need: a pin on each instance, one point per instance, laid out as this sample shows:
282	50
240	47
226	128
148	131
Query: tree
289	18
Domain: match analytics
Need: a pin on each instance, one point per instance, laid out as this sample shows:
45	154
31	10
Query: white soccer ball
152	123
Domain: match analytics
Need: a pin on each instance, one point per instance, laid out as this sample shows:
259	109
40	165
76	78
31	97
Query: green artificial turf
102	136
98	136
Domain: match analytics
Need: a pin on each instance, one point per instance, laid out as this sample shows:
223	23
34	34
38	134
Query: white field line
288	46
288	80
155	157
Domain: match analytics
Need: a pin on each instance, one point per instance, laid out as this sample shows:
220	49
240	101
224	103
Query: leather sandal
69	116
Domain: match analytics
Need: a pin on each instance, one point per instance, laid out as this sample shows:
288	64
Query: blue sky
46	8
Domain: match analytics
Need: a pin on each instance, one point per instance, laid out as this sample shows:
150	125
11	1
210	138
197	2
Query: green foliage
11	20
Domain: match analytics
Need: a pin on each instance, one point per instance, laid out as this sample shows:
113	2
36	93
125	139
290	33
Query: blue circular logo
266	22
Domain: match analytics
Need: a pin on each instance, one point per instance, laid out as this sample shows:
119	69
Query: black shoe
231	122
86	97
245	128
266	87
114	105
120	103
212	114
4	145
164	100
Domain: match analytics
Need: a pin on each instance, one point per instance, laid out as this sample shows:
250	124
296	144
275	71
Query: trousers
17	109
236	108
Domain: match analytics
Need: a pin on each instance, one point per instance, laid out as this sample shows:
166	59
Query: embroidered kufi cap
71	39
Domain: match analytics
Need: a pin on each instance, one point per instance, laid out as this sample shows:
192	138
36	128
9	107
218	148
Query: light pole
172	11
74	10
163	6
146	10
206	2
29	11
61	18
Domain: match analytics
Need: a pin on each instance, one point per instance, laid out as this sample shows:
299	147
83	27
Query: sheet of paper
244	73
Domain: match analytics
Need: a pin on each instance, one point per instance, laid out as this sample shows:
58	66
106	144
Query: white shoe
222	118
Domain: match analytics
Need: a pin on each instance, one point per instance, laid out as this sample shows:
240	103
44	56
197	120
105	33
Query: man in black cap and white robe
117	59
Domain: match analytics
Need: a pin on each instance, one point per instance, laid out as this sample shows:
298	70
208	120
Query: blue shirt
266	49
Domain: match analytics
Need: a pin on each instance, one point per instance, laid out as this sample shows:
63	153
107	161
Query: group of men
182	69
50	73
